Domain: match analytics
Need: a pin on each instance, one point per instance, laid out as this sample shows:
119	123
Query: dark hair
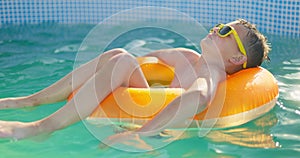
256	45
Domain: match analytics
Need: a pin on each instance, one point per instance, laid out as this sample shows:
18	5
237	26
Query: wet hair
256	45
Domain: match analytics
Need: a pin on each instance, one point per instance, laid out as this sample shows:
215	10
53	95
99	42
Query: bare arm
181	109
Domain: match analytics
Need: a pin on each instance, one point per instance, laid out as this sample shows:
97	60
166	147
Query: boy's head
240	44
255	44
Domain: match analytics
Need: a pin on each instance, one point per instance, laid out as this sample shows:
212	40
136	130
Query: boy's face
214	46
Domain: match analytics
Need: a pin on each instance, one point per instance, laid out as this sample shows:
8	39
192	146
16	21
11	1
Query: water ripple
68	48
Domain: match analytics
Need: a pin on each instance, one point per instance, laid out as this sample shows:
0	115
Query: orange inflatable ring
249	94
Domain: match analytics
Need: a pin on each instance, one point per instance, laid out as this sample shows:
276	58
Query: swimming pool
34	56
41	41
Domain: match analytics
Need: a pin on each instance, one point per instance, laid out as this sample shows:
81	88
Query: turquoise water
33	57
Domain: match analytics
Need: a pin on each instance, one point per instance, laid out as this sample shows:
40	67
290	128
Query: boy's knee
124	58
113	52
117	51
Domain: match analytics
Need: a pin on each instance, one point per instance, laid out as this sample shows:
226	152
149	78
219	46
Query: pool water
33	57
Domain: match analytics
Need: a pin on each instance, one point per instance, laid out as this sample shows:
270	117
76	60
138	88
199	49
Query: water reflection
256	134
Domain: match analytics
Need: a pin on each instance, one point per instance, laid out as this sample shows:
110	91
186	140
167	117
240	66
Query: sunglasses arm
240	45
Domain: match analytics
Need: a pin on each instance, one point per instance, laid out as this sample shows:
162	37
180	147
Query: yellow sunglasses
226	30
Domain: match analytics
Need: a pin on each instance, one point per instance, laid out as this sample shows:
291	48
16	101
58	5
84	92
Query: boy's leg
61	89
122	69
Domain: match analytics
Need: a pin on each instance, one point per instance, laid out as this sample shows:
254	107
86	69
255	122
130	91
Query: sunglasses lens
224	30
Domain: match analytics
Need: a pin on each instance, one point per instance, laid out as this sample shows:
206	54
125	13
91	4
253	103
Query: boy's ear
238	60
